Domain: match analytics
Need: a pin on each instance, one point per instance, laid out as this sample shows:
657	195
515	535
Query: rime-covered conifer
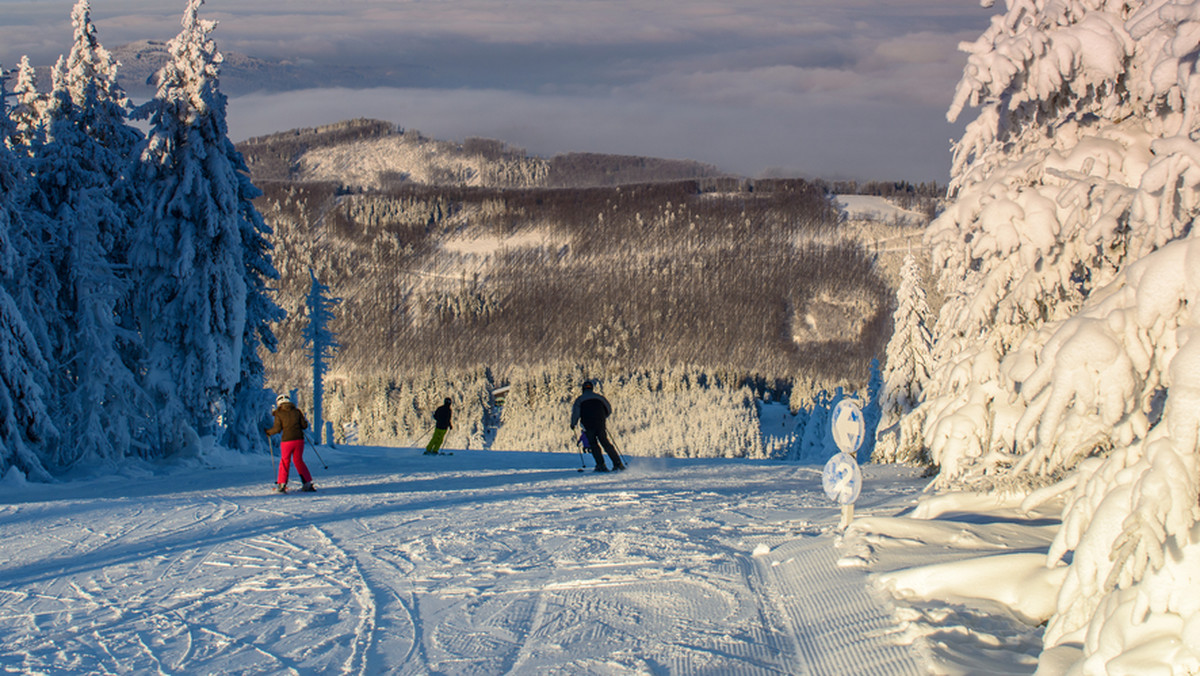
98	402
103	108
30	105
321	343
1068	257
872	412
24	421
199	254
909	354
816	442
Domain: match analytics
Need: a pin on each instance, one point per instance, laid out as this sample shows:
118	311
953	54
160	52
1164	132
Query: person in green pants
441	424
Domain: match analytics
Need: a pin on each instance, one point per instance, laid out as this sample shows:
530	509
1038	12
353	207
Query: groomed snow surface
506	562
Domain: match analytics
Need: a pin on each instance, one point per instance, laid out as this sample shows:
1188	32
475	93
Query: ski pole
579	446
314	447
319	457
424	435
619	453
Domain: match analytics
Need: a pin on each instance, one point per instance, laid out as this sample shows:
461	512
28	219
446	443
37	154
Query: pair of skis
275	489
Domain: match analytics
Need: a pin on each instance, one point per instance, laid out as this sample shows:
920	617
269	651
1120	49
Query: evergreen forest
677	295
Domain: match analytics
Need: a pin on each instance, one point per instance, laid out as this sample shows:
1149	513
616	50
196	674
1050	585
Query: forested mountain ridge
374	155
472	258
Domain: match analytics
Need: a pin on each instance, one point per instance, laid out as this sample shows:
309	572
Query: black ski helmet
587	386
447	402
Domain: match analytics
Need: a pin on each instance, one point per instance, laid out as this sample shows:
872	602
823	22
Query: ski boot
308	487
281	488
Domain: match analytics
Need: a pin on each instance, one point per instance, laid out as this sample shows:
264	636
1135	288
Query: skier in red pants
290	424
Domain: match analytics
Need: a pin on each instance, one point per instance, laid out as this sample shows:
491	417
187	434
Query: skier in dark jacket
592	410
290	424
441	423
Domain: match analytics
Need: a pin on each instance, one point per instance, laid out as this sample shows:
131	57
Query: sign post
842	478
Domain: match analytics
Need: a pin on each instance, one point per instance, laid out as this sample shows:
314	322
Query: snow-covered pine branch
1078	164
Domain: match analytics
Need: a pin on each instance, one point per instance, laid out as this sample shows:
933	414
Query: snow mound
875	208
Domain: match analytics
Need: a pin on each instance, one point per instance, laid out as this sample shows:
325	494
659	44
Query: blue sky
838	89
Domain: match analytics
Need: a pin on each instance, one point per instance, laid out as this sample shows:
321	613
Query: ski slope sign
848	426
842	480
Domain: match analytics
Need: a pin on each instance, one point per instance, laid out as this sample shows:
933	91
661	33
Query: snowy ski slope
476	563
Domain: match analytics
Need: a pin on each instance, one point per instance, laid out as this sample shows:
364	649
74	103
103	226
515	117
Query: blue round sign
842	479
848	426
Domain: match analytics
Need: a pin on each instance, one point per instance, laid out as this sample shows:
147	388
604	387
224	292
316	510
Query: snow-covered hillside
373	163
876	208
665	284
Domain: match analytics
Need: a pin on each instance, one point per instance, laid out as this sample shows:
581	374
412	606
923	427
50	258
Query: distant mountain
376	155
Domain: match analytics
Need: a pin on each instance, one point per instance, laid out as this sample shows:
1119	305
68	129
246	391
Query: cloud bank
847	89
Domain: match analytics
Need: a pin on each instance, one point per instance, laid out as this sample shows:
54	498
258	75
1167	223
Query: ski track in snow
484	563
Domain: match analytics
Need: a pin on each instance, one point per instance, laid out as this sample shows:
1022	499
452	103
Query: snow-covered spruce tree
102	113
96	399
816	442
321	343
24	421
801	424
909	357
199	256
30	105
1068	173
103	110
34	282
1073	232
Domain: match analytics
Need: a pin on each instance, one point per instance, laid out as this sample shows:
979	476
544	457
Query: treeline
577	170
723	277
667	412
889	189
595	169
